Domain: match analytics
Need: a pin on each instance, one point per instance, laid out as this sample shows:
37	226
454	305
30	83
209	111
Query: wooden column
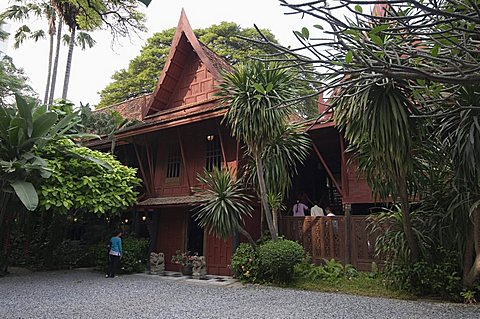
142	171
221	145
182	152
348	242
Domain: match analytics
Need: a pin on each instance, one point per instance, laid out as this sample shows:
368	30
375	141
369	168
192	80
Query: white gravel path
86	294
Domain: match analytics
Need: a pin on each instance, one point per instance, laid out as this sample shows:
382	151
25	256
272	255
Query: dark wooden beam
142	171
221	144
327	168
151	167
182	152
345	186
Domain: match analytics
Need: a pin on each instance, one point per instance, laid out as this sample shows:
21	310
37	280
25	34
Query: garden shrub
278	259
426	278
73	254
245	265
134	258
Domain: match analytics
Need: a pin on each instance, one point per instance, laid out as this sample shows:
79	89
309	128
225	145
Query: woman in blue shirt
114	255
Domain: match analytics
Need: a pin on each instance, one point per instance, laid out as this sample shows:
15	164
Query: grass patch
362	285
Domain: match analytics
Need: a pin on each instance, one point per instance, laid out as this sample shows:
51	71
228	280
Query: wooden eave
157	125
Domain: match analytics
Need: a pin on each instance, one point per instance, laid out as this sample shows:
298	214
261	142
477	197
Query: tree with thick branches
431	46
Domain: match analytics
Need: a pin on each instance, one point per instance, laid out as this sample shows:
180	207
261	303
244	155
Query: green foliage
86	180
331	270
377	121
72	254
425	278
134	258
24	129
278	259
12	81
227	203
135	253
245	264
281	157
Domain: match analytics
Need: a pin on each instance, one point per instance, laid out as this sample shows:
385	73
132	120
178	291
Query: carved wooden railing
324	238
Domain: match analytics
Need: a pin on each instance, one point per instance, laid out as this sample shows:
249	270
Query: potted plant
184	259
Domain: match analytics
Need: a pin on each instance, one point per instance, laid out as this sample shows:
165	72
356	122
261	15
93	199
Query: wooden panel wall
196	84
358	189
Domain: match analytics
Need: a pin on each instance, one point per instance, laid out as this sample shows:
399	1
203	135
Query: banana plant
24	129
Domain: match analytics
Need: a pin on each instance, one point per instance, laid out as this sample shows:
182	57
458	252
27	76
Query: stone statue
199	267
157	263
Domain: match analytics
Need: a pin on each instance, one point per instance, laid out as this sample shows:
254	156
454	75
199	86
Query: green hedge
271	262
278	259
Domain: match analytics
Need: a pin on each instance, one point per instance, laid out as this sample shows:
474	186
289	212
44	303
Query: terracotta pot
186	270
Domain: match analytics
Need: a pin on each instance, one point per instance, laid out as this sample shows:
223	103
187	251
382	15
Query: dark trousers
113	263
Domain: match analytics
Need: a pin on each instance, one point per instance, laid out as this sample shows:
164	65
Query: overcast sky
93	68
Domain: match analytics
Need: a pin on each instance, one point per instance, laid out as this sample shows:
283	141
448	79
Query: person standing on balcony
316	211
299	209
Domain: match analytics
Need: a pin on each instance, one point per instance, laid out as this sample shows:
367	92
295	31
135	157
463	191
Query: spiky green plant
226	204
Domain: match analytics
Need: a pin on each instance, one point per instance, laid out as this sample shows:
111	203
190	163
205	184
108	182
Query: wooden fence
324	238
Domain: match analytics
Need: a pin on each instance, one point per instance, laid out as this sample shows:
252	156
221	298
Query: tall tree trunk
407	223
68	67
55	63
263	195
474	272
51	32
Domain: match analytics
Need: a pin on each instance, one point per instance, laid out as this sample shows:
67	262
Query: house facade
181	135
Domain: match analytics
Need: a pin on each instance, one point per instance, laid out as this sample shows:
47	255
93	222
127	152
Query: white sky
92	69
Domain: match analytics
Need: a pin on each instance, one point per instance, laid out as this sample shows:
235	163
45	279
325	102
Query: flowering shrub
182	258
245	264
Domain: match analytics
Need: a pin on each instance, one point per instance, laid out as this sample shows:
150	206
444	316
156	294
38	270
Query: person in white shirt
316	211
328	210
299	209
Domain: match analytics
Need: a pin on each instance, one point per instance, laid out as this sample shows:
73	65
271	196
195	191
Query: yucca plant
460	130
258	97
376	120
226	204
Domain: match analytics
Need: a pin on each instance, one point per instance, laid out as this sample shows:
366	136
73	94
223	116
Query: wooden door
171	234
218	254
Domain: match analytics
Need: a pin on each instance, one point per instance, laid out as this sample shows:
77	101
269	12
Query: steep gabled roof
184	49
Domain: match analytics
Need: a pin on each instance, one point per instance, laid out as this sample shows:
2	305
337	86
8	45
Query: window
173	162
213	153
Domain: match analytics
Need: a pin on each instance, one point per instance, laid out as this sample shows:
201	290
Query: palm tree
257	96
226	204
23	12
376	120
83	40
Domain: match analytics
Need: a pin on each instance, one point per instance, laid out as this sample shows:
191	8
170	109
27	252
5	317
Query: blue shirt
116	248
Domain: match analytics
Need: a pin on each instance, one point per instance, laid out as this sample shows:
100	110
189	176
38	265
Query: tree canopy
225	39
12	81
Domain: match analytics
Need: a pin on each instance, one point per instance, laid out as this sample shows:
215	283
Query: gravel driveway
86	294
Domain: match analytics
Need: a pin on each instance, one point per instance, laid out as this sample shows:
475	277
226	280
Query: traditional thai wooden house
181	134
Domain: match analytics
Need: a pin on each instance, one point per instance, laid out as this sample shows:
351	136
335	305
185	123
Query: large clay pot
186	270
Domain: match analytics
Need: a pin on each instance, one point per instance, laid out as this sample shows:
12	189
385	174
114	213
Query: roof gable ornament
185	50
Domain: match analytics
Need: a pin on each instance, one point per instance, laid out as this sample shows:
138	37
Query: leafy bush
245	265
134	258
73	254
305	267
278	259
425	278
